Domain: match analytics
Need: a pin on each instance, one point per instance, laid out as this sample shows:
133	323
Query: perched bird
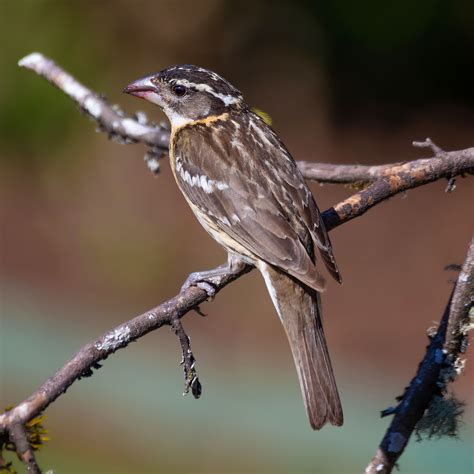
248	193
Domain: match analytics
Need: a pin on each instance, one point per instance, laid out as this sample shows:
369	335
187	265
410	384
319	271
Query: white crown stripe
226	99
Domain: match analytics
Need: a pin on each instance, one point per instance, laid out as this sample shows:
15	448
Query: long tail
299	311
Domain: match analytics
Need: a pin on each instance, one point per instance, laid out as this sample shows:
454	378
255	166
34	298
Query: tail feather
300	313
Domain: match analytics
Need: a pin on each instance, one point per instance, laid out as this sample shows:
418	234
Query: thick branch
429	380
363	174
394	179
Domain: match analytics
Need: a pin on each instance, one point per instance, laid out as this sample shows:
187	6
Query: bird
247	192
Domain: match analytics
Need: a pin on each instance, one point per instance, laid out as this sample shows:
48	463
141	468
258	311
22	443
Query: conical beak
141	87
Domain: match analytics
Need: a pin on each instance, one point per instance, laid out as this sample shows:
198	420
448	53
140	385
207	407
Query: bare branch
398	178
403	175
428	143
113	121
435	371
342	174
91	354
19	438
459	317
386	180
191	380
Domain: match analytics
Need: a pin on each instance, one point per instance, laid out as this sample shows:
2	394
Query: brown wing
242	178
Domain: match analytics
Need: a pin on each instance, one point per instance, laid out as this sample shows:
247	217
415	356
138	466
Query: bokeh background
90	238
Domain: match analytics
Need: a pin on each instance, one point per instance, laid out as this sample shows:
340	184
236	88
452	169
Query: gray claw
207	287
198	279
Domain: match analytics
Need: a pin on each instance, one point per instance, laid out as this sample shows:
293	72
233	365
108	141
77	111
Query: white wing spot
220	185
199	180
205	184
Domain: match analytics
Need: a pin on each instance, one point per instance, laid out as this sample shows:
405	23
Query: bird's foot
206	280
210	280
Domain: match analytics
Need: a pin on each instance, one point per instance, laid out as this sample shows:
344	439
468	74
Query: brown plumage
247	192
300	312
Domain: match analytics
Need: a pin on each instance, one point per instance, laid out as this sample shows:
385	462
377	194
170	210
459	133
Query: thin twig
342	174
19	438
440	153
428	143
113	121
463	299
430	380
188	361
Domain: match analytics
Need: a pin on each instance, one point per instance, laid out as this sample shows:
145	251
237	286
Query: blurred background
91	238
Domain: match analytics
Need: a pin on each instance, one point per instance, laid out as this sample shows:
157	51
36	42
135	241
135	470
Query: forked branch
396	178
383	182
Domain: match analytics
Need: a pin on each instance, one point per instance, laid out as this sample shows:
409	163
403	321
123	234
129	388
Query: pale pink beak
141	87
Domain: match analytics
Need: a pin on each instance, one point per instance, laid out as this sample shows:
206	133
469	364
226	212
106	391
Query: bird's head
187	93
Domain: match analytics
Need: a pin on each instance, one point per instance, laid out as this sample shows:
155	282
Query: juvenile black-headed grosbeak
247	192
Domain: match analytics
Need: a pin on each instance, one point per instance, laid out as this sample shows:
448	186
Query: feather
258	196
247	192
299	311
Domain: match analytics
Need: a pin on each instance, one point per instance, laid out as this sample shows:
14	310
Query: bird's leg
208	280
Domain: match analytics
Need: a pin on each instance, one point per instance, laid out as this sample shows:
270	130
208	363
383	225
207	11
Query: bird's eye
179	90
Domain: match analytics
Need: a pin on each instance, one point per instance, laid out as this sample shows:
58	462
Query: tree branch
396	177
342	174
93	353
386	180
111	120
439	366
460	319
18	436
188	361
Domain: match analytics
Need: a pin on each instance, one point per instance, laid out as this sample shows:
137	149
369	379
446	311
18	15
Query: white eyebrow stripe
227	99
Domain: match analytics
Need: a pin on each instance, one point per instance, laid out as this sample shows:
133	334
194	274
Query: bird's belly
222	238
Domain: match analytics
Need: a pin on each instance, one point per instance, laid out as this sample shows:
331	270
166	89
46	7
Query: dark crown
202	80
